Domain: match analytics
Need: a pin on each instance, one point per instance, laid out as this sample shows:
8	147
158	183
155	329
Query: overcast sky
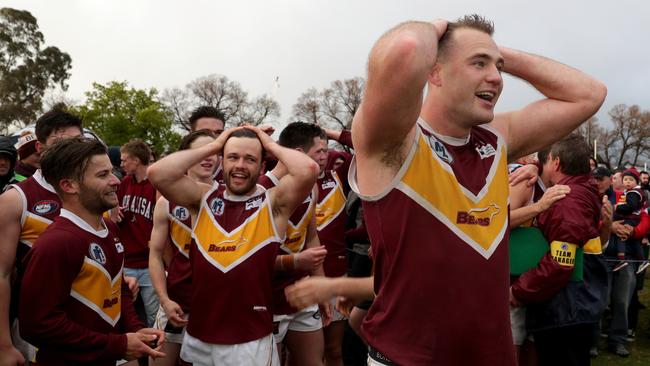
165	43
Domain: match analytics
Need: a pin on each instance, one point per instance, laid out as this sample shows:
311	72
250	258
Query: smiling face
98	188
467	79
242	164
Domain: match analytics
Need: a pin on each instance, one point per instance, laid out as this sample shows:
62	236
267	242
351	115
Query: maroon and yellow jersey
41	205
235	242
138	200
218	174
73	294
296	236
330	220
179	272
439	240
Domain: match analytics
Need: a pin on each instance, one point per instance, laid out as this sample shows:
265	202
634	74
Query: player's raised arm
571	98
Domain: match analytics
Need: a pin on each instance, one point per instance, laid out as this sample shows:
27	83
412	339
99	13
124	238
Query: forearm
523	214
542	282
157	273
5	297
298	164
553	79
129	319
361	287
174	167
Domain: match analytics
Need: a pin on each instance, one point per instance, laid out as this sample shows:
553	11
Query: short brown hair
573	152
137	149
192	136
472	21
68	159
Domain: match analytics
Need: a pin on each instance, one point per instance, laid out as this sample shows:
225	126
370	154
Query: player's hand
310	259
138	344
528	172
174	313
344	305
9	356
513	300
267	128
441	26
216	146
553	194
132	282
606	212
264	138
309	291
325	309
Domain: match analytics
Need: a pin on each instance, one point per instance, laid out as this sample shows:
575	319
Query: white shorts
260	352
27	350
172	334
305	320
518	324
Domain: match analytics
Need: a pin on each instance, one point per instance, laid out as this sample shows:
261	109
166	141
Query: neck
443	123
141	173
93	219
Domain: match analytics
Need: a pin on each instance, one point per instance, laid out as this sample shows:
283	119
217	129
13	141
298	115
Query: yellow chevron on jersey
180	235
95	288
225	250
297	234
33	227
479	220
331	206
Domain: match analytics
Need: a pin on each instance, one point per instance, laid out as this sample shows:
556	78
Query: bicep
160	229
537	125
10	216
184	191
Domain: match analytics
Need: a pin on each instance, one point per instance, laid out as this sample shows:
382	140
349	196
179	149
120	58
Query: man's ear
39	146
434	76
69	186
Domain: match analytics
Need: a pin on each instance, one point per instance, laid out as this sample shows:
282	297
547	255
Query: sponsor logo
486	151
217	206
254	203
181	213
110	302
119	247
328	184
259	308
96	253
440	150
45	207
478	216
293	240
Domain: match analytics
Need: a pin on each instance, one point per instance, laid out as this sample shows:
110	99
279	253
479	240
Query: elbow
597	92
153	174
312	170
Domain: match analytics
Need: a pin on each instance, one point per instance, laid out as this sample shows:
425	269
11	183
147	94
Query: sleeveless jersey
93	261
138	200
179	272
233	252
330	219
439	240
294	242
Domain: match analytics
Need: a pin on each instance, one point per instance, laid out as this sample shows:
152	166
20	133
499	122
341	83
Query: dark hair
138	149
53	121
248	134
300	134
573	152
206	111
643	172
472	21
68	159
192	136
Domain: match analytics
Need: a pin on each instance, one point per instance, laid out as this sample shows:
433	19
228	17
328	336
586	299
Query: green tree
118	113
27	69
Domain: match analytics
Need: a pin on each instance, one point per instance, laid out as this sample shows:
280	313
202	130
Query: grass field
640	348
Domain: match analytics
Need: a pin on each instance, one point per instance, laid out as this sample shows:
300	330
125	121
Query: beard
241	189
95	201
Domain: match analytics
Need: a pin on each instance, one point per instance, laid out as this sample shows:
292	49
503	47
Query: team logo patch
119	247
440	150
254	203
45	207
486	151
97	253
478	216
217	206
181	213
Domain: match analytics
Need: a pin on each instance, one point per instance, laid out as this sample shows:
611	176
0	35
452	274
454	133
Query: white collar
83	224
38	177
237	198
453	141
